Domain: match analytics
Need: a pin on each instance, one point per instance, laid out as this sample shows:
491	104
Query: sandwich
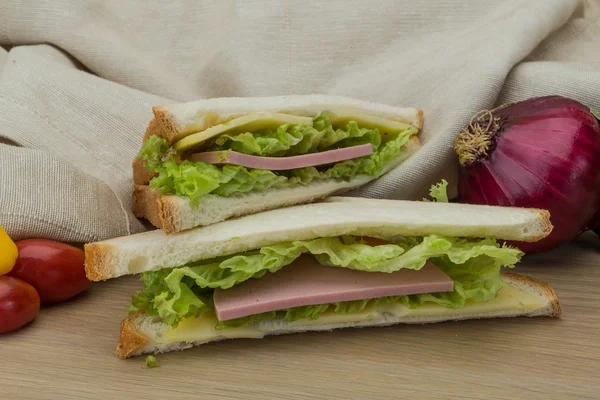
209	160
340	263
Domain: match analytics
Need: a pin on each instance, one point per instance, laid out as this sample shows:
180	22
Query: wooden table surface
68	353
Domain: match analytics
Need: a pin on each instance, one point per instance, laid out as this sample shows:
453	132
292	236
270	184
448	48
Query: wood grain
68	352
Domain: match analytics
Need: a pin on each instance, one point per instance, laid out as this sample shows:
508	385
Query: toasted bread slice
141	334
174	121
336	216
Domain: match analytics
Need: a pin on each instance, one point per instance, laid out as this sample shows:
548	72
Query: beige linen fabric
80	78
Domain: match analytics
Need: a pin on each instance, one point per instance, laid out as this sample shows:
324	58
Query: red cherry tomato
19	303
56	270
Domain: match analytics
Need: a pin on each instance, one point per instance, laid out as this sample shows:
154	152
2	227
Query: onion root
477	140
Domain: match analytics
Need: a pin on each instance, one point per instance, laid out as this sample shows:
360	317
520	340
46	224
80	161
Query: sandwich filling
473	266
305	283
343	275
259	155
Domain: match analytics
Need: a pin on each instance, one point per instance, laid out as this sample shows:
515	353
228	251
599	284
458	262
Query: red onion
544	153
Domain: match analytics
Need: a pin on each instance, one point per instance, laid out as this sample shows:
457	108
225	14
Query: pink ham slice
305	282
282	163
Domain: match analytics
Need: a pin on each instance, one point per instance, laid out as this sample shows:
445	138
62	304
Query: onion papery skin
544	153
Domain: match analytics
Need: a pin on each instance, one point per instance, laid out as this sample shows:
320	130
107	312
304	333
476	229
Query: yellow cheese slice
248	123
203	329
507	299
340	118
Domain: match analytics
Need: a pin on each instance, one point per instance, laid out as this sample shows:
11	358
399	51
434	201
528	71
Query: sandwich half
209	160
340	263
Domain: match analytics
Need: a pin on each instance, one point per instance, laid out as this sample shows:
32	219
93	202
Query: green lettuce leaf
474	265
291	314
309	312
197	179
152	152
477	279
180	292
151	362
439	192
288	140
156	299
349	307
411	254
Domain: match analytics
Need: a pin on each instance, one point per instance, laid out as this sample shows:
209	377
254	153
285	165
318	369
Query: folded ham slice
306	282
282	163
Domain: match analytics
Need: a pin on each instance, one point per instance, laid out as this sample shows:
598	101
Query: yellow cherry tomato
8	253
